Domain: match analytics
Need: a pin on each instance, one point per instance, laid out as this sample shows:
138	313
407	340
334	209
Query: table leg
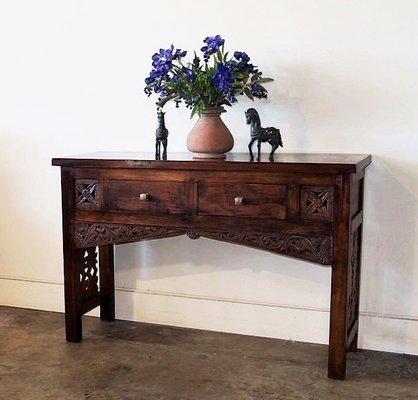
345	281
337	352
107	283
344	323
72	257
338	334
73	328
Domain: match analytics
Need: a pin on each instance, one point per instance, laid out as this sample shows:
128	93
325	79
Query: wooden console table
306	206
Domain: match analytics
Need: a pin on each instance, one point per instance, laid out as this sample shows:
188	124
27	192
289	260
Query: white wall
71	76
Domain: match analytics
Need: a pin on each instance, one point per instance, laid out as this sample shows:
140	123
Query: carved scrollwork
193	234
87	262
317	203
307	247
315	248
87	234
86	194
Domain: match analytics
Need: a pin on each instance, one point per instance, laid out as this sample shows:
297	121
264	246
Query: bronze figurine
161	137
262	135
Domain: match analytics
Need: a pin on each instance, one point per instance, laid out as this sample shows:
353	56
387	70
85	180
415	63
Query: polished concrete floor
127	360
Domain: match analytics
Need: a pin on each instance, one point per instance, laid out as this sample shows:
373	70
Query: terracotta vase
210	138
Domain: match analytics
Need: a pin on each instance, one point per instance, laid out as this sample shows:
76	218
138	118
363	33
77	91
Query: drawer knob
239	201
144	196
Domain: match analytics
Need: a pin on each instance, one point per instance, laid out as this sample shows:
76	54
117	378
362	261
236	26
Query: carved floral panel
87	194
317	203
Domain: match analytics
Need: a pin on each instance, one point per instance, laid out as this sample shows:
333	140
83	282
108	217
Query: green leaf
256	77
219	55
248	93
163	102
194	110
265	80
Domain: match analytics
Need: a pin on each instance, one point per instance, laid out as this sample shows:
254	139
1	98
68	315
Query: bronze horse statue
161	137
262	135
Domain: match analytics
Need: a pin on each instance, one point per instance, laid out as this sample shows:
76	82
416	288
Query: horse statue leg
165	148
259	149
274	145
157	149
250	147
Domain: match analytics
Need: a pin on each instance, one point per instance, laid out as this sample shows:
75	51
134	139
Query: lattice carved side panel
89	280
87	194
317	203
353	280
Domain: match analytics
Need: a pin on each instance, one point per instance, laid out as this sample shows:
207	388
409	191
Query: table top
282	162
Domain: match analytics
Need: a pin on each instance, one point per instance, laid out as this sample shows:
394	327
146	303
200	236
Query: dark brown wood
242	199
317	203
107	282
90	304
87	234
345	281
208	222
339	281
310	247
72	286
307	206
283	162
89	273
158	197
357	183
87	194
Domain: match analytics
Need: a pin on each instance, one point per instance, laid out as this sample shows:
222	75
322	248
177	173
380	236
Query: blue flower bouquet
205	85
215	81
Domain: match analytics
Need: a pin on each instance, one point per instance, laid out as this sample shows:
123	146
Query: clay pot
210	138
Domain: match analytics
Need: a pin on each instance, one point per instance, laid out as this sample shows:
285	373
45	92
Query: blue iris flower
161	90
232	65
244	59
258	91
163	64
163	60
213	44
179	54
154	75
241	56
189	73
223	78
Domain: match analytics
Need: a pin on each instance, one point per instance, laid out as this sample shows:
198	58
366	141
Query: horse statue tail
279	137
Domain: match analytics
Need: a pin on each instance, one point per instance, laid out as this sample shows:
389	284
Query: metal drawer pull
144	196
239	200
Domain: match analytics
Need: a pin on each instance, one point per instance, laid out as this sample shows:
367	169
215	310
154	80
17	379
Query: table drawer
243	199
148	197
